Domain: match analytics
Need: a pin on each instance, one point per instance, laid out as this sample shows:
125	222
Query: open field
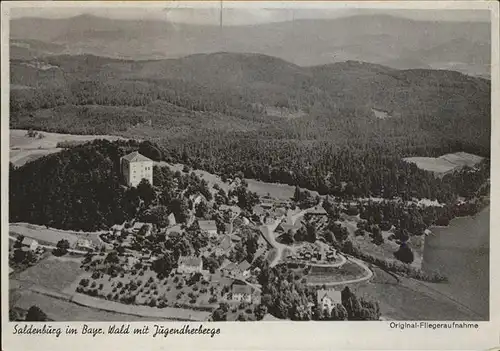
275	190
461	252
324	275
25	149
19	139
410	299
50	235
387	249
61	310
211	179
149	290
21	157
51	273
446	163
141	311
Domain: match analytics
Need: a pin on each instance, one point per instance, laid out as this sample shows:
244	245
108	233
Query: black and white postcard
250	175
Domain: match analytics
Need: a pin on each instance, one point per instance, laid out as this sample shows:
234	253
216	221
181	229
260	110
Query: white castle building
136	167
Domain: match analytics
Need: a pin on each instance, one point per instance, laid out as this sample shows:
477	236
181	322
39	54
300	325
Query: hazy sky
235	15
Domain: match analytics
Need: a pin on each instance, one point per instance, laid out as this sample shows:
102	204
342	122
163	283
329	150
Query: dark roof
136	157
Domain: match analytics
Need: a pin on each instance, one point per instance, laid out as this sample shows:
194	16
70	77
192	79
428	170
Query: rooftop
189	261
207	225
244	265
28	241
225	243
242	289
136	157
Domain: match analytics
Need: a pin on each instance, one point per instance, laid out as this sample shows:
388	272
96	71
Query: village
193	264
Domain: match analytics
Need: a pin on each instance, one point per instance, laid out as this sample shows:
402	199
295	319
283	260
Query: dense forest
81	189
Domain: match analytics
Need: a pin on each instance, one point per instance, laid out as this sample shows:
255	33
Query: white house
136	167
189	264
84	244
31	244
242	293
328	299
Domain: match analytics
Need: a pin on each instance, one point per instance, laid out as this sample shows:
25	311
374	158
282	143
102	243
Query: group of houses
233	275
236	270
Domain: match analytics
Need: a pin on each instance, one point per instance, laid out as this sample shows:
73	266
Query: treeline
392	265
346	170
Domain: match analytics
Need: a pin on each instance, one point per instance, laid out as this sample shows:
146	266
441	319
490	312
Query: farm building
189	264
29	243
208	226
136	167
327	299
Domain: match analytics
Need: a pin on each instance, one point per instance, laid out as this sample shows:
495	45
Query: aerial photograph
248	164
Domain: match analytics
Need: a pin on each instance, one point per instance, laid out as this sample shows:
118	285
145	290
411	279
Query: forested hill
250	92
341	128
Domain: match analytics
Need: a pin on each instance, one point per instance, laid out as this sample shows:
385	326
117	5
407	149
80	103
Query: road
369	274
267	231
50	247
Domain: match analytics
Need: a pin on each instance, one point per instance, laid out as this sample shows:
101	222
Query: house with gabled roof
317	211
189	264
136	167
208	226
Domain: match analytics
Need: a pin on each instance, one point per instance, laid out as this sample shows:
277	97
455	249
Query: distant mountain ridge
396	42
